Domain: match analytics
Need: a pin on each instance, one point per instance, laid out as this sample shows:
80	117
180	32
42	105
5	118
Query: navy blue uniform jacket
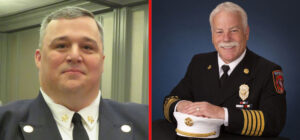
265	117
112	115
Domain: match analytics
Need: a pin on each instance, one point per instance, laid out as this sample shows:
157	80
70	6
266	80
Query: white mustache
228	44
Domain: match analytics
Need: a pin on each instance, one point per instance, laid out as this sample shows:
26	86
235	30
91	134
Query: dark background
180	29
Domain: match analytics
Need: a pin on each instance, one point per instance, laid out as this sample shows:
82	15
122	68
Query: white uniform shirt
63	117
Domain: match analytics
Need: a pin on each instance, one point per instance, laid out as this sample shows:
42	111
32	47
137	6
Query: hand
201	109
182	104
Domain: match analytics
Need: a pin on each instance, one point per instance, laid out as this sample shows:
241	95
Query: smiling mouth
74	71
228	47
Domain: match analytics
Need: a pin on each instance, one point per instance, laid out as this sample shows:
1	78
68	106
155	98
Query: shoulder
204	59
127	113
263	63
209	55
135	114
13	113
15	108
125	106
126	109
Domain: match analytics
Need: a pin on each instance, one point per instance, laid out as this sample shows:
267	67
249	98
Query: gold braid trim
169	101
262	123
254	123
245	122
195	134
249	123
258	123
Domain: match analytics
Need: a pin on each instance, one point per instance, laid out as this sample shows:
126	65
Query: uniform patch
278	81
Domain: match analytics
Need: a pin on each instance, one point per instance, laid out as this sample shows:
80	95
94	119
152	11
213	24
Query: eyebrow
229	28
90	40
235	27
60	38
65	38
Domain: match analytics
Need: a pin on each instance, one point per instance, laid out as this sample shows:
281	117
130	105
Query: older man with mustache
233	83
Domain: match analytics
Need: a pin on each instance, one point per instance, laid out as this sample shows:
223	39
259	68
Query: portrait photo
189	41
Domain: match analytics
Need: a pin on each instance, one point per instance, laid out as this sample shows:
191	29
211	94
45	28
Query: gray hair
230	7
67	13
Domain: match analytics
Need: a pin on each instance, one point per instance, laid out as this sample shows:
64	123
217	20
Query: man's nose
226	37
74	55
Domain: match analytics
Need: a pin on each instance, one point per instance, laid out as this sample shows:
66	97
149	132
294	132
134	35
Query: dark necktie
79	132
223	78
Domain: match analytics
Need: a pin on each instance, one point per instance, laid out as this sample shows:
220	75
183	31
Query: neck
226	62
73	100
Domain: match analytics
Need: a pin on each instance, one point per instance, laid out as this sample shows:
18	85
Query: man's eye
234	30
61	46
219	32
87	47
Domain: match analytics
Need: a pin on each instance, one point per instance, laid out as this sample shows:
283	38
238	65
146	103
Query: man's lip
73	70
228	48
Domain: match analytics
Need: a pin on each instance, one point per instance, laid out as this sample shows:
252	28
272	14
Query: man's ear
247	32
102	67
37	58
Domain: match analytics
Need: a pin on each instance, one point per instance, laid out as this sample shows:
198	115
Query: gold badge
244	92
188	121
209	67
246	71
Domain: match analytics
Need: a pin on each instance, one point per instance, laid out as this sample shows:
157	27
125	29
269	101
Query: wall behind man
181	29
125	73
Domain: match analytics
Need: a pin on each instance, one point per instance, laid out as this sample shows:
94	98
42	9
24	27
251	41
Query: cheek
52	61
95	65
215	40
238	38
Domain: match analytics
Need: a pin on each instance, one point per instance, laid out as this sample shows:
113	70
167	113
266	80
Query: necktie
79	132
223	78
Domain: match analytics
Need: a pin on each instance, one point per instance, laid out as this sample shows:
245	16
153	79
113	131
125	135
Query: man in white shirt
70	62
233	83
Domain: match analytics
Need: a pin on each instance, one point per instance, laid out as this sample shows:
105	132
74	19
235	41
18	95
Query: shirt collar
63	116
232	64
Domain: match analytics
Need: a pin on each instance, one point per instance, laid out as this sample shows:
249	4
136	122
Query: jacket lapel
110	123
212	78
40	124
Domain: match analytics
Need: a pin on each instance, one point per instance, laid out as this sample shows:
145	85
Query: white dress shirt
63	117
232	66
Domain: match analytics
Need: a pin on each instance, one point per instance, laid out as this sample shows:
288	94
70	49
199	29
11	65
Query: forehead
77	27
225	18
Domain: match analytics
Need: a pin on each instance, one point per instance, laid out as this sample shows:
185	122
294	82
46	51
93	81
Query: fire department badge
244	92
188	121
278	81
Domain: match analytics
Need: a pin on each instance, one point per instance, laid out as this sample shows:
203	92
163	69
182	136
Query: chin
229	58
73	85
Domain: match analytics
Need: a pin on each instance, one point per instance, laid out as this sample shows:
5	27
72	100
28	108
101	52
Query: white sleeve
226	116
